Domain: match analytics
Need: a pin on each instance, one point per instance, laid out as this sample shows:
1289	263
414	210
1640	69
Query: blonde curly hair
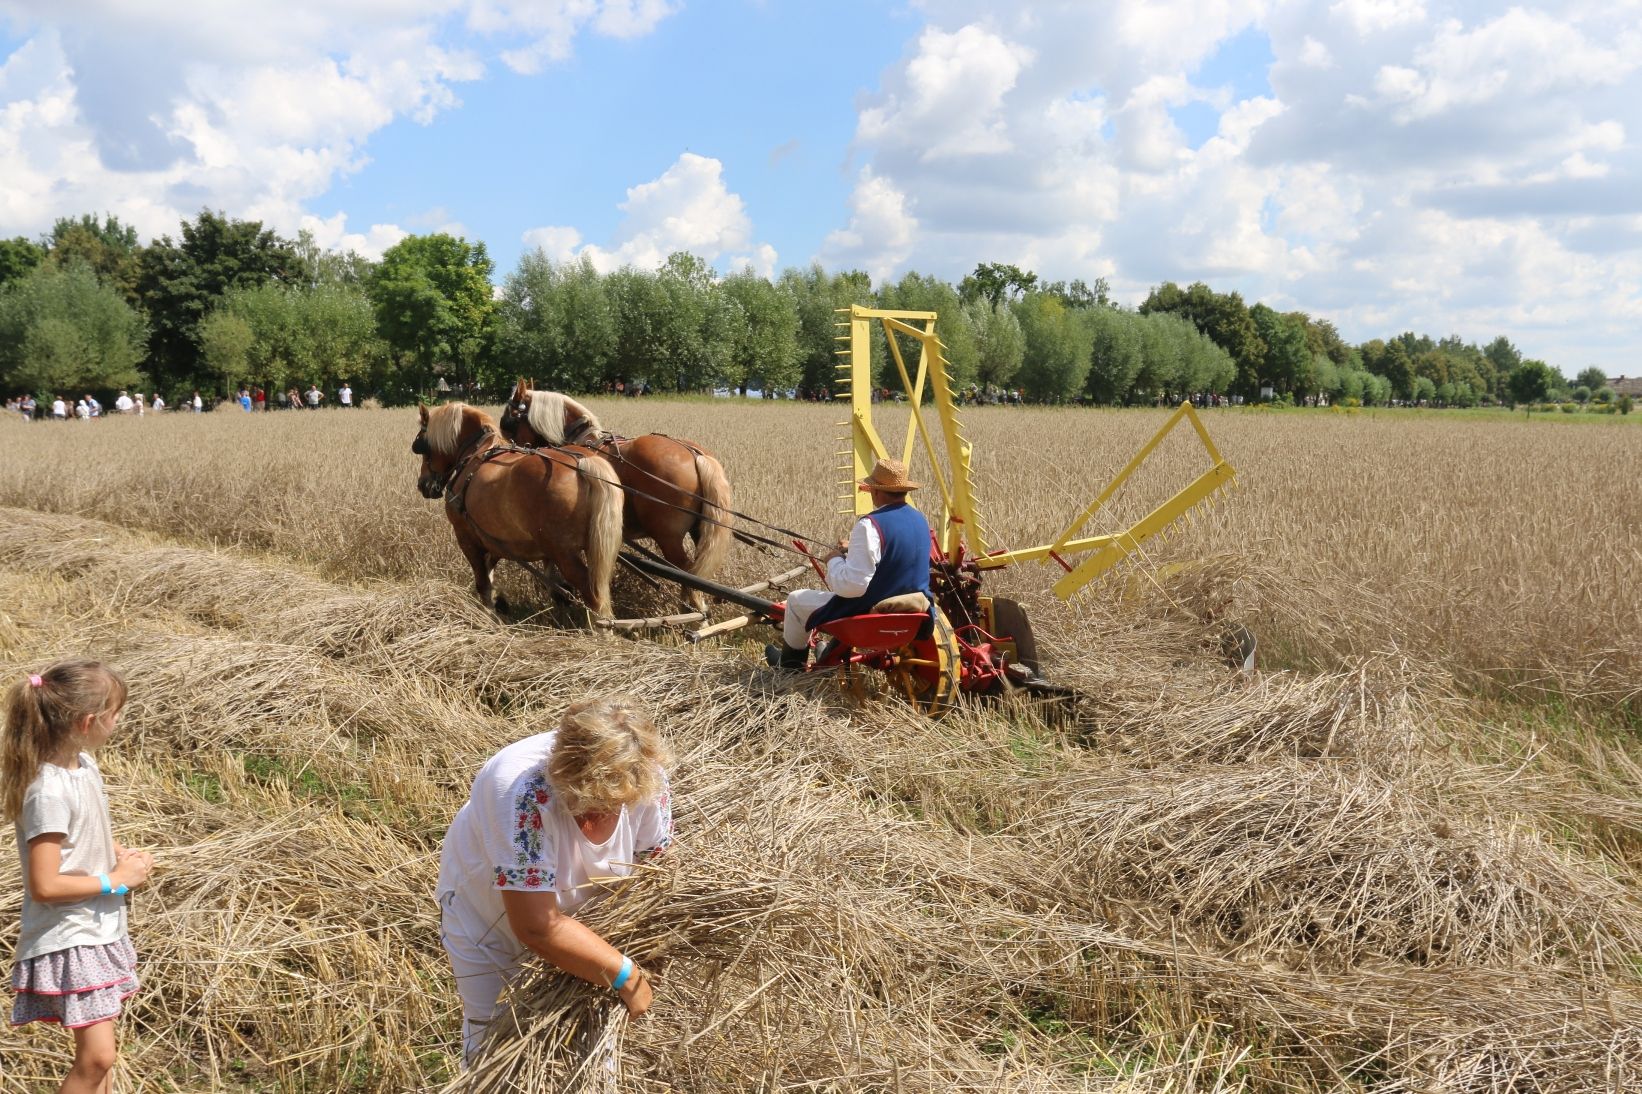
608	754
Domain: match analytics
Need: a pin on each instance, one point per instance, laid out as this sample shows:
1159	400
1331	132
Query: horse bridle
576	432
420	447
514	411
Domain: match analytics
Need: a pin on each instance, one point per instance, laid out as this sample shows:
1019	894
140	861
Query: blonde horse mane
548	411
445	426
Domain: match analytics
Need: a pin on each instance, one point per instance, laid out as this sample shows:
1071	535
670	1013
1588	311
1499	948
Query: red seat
877	631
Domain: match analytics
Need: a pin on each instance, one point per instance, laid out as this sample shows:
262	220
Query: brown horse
675	488
503	503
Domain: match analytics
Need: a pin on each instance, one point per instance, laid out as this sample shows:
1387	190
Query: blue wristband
621	977
110	889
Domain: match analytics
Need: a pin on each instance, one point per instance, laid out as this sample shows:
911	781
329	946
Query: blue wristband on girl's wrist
110	889
622	977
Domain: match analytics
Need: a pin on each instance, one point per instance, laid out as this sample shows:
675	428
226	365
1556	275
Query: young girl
75	964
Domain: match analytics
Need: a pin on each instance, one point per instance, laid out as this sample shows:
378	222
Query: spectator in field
886	557
198	403
344	395
94	405
59	409
82	410
314	396
549	822
123	404
74	965
259	399
245	400
138	399
293	399
27	406
159	402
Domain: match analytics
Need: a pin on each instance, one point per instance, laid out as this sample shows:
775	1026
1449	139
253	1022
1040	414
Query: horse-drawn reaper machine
963	642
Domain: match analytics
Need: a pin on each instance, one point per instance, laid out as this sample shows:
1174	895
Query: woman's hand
636	994
572	946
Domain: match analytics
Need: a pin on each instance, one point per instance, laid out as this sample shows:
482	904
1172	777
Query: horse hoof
501	606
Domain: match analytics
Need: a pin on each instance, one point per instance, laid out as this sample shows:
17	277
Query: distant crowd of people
87	408
254	399
990	395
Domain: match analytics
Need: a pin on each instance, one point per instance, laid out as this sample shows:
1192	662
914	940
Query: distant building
1622	386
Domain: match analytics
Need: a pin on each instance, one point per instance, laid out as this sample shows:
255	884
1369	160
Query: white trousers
484	957
801	604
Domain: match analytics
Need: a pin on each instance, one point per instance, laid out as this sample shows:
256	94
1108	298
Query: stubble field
1402	858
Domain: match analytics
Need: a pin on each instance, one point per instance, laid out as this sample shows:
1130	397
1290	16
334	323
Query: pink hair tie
35	681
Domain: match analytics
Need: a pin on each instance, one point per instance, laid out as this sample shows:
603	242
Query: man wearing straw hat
887	556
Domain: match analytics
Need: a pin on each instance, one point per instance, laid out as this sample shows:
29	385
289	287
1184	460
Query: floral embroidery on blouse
527	837
529	877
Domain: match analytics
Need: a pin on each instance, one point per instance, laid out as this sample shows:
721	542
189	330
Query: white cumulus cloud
1370	16
952	94
550	27
881	230
687	208
153	110
1396	167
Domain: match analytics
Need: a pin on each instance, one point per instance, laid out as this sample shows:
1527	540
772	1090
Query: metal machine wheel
1240	648
1009	621
929	671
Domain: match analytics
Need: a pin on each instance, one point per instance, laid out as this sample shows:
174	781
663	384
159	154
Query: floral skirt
79	986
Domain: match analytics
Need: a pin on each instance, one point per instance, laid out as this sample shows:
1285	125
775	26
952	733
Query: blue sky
1430	165
1239	64
562	146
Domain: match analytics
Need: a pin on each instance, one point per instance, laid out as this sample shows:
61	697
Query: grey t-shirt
71	803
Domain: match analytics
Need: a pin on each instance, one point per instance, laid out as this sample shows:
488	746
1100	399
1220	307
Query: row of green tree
230	303
1294	354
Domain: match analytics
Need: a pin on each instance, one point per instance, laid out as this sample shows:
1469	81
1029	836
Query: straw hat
889	476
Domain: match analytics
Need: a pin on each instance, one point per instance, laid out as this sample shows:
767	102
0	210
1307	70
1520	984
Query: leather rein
609	445
472	458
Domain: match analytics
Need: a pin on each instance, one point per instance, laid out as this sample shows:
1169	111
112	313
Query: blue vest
903	564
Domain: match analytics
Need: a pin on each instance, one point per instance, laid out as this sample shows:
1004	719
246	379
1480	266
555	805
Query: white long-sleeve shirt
851	574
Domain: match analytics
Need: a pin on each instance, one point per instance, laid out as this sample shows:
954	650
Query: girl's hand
636	995
133	869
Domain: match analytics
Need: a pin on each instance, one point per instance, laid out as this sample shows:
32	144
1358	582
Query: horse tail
605	500
713	532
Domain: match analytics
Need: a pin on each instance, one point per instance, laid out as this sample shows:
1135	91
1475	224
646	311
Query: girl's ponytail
41	713
27	742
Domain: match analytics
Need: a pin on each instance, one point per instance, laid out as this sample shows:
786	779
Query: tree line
228	303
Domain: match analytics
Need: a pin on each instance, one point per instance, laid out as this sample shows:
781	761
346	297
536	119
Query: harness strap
456	498
609	444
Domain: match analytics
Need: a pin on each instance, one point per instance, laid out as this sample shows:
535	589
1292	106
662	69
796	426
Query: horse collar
463	458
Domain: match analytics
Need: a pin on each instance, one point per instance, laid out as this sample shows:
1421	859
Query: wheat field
1403	857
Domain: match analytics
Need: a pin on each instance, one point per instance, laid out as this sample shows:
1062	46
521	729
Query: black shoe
787	658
